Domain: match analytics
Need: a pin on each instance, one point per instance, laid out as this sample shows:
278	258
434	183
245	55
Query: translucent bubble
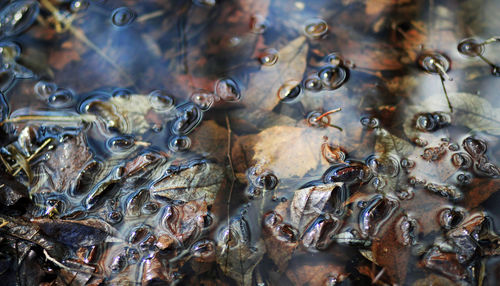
420	142
139	233
188	117
45	89
387	165
461	160
470	47
289	91
431	61
79	5
334	59
369	122
407	163
333	77
122	92
120	144
227	89
406	231
132	254
119	263
17	17
268	57
86	178
203	249
378	210
161	100
122	16
179	143
318	235
114	217
203	99
451	218
267	181
287	233
313	121
9	51
150	208
313	83
258	24
61	98
475	147
315	28
464	179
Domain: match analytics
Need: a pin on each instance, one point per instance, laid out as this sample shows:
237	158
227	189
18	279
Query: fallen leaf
287	151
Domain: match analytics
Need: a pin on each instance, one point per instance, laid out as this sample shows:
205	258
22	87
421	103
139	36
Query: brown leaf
262	90
210	139
191	180
60	172
285	150
316	272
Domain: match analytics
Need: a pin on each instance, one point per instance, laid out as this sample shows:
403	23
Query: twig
378	276
4	222
149	16
228	125
45	143
9	168
446	95
327	113
23	118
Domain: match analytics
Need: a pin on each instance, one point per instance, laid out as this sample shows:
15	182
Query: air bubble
369	122
461	160
495	71
188	117
333	77
122	92
470	47
61	98
120	143
289	91
451	218
386	166
9	52
432	61
334	59
17	17
313	83
267	181
315	28
464	179
227	89
475	147
161	100
203	250
179	143
79	5
119	263
122	16
45	89
114	217
203	99
268	57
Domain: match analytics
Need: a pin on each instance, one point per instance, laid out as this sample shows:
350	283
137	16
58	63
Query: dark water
259	142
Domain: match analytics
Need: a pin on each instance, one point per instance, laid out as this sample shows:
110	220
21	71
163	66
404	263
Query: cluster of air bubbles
330	76
258	24
203	99
260	180
313	83
122	16
268	57
18	16
315	28
45	89
432	121
387	165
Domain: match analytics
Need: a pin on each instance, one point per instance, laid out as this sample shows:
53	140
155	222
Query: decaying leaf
287	151
77	233
191	180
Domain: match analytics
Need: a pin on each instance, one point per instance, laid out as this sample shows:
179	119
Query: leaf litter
286	144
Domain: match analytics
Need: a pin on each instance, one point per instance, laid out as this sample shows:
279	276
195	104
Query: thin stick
149	16
486	60
23	118
9	168
327	113
378	276
446	95
45	143
442	72
490	40
229	157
